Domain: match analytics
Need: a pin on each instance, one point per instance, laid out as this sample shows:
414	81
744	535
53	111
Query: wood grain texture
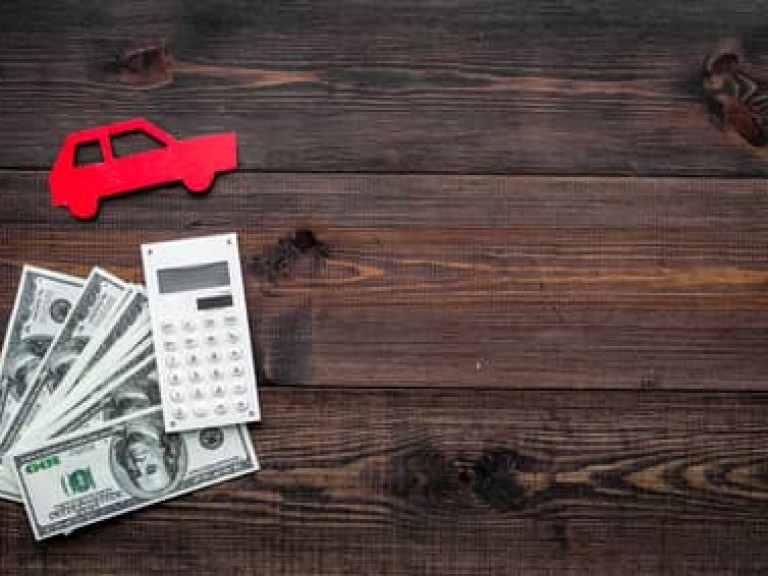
471	86
485	282
528	335
458	482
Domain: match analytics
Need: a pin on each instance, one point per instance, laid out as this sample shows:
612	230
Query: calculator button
220	408
219	391
174	378
193	359
195	376
216	374
238	371
233	337
214	356
201	411
239	388
179	413
230	320
241	405
198	393
211	340
209	323
167	328
177	395
190	343
171	361
188	325
235	354
169	346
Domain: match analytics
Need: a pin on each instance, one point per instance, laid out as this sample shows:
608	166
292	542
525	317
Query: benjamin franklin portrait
146	461
21	364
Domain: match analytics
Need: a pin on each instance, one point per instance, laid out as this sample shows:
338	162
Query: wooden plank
458	482
477	86
458	281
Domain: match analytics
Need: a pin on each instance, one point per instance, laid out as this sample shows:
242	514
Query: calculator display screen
213	302
211	275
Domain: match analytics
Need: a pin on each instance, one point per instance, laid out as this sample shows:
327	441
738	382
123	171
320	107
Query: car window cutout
133	142
88	153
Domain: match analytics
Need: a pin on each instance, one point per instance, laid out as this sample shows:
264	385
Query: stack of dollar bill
81	429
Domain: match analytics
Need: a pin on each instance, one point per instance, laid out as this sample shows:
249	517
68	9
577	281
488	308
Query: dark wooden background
536	341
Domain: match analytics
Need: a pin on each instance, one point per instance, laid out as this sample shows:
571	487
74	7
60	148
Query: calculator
200	332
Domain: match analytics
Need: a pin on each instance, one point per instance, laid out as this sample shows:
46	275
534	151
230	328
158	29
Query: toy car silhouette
88	168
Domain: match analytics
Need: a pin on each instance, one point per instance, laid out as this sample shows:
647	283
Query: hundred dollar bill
136	390
91	387
43	303
131	322
133	391
130	463
91	312
102	378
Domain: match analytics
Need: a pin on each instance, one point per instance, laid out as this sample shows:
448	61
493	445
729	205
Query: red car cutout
88	167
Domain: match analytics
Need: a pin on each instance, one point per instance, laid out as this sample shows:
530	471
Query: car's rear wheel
199	182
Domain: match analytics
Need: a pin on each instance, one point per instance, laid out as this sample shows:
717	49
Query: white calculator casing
200	332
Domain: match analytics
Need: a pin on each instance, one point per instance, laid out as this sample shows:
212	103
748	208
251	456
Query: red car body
193	161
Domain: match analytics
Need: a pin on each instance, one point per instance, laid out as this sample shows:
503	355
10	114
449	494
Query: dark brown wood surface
469	86
532	341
